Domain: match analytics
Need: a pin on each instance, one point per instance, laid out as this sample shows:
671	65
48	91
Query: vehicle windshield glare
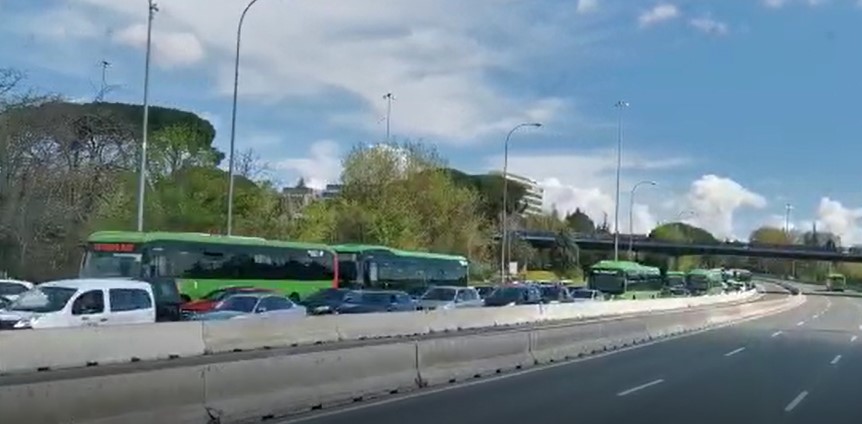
439	293
43	299
369	298
7	288
244	304
507	293
327	294
111	265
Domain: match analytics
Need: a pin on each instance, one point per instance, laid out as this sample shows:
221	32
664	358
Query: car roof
22	282
99	283
379	291
256	294
451	287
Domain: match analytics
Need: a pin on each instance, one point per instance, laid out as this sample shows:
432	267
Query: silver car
450	297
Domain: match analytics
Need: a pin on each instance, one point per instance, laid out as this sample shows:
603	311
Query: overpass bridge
644	244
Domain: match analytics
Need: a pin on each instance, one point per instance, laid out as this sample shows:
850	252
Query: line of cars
100	302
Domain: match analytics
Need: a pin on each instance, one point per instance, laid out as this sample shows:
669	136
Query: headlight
24	323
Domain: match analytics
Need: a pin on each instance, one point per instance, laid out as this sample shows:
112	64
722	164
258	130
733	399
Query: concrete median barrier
31	350
459	358
172	395
261	388
251	334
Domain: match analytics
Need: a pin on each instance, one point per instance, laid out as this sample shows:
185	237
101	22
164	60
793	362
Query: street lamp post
620	105
632	213
504	237
152	8
233	120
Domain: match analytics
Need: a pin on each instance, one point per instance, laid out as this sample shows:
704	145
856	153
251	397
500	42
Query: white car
81	303
11	289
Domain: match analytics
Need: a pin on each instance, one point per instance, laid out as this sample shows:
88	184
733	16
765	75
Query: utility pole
620	105
142	172
389	97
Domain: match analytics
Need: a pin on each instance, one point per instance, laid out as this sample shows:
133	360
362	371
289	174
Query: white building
534	196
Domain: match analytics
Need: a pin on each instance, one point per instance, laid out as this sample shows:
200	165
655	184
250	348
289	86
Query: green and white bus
836	282
371	266
702	281
674	278
200	263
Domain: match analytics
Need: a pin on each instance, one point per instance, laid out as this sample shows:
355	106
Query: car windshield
371	298
551	291
8	288
111	265
440	293
244	304
43	299
327	295
507	293
582	294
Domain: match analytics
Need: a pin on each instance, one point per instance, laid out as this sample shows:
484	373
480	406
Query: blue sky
737	106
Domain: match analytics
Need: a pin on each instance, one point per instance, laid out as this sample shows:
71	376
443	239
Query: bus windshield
111	265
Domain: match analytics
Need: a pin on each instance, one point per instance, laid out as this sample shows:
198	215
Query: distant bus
201	263
701	281
372	266
674	278
615	277
836	282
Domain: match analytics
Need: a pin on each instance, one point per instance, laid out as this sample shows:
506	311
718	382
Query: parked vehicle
365	301
209	301
514	294
11	289
586	295
80	303
484	291
247	305
4	302
556	293
836	282
450	297
325	301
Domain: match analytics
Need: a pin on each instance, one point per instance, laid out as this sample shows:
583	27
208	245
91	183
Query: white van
80	303
11	289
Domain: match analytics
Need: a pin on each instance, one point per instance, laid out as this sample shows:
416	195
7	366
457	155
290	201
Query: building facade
534	195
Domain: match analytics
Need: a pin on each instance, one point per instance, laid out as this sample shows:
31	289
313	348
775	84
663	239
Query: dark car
484	291
325	301
555	293
366	301
519	294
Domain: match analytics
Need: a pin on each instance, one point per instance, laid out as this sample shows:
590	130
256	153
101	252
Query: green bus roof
835	275
359	248
699	271
146	237
675	273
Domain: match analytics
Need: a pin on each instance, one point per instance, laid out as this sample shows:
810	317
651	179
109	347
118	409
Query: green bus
615	277
702	281
200	263
836	282
674	278
372	266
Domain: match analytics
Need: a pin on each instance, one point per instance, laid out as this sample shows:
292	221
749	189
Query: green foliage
580	222
489	188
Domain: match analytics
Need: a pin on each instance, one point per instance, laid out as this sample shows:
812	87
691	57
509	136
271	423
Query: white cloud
321	166
587	6
709	26
170	49
566	198
715	200
434	55
660	13
832	216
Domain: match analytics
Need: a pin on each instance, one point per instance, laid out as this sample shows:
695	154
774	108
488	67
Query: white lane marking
852	339
800	323
835	360
641	387
860	327
795	401
816	316
777	333
734	352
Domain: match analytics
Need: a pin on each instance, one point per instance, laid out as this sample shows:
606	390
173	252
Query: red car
211	299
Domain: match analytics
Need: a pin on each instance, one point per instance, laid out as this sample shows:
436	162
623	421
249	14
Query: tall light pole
620	105
142	172
632	212
787	208
503	244
233	119
389	98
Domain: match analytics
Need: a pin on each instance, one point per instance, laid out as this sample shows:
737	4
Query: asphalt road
799	366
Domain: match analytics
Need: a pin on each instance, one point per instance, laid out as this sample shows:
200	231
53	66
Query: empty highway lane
799	366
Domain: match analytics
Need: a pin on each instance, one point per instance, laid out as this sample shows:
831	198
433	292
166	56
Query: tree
580	222
770	236
564	254
679	232
489	188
